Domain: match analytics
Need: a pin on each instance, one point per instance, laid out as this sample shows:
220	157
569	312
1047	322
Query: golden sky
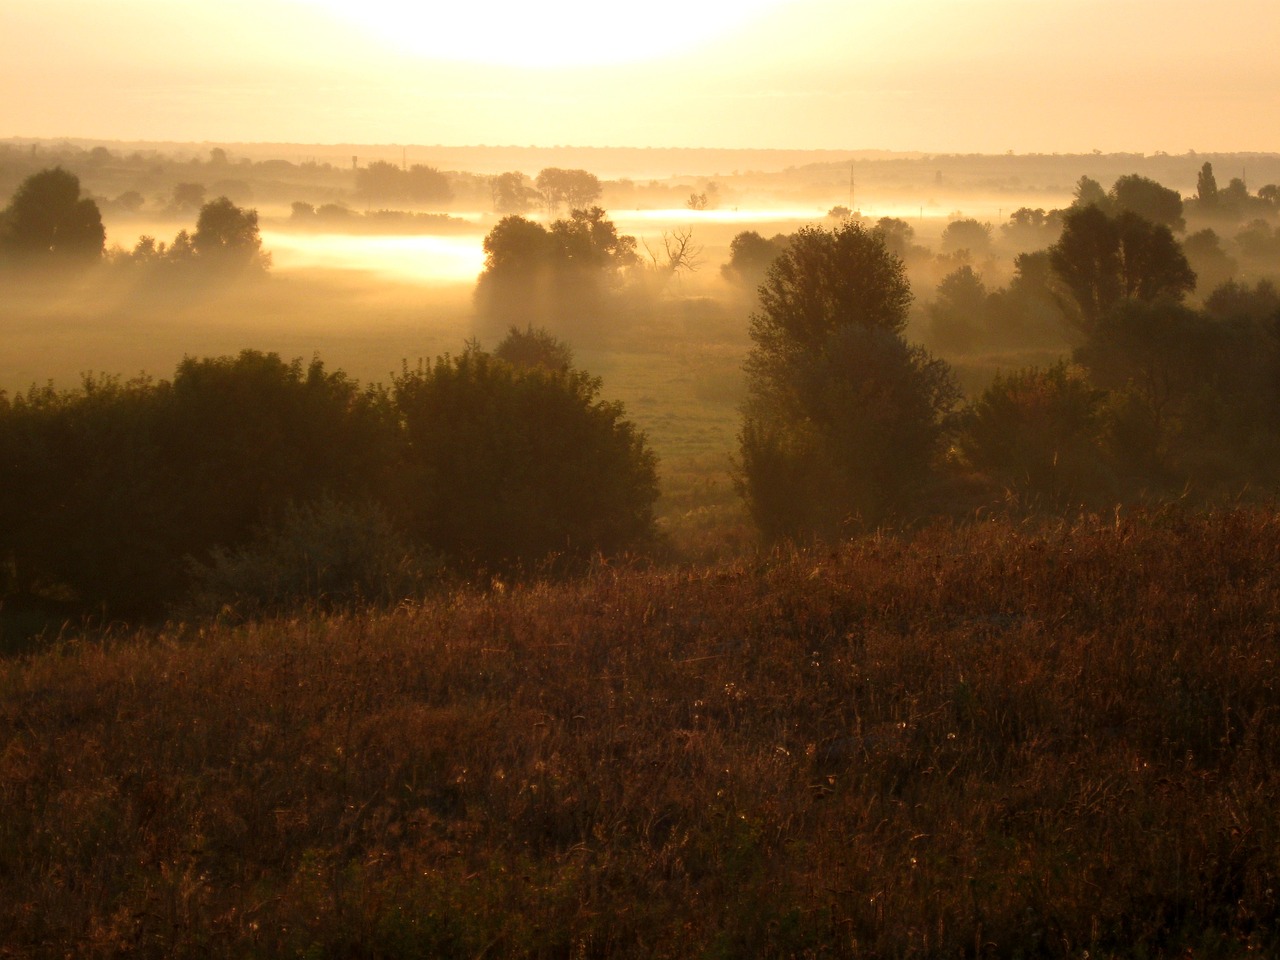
932	75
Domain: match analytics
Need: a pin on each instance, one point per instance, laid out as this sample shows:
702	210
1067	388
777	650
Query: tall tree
1089	193
1207	186
843	416
1103	260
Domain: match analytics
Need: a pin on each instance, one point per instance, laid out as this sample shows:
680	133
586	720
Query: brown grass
989	741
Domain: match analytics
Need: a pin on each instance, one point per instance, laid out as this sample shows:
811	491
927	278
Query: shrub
1036	434
322	554
534	347
106	489
506	466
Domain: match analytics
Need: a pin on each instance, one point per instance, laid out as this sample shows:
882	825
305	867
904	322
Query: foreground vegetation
994	740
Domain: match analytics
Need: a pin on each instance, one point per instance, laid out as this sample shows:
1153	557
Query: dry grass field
989	741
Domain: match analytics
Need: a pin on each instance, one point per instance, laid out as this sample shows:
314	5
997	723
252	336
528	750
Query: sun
548	34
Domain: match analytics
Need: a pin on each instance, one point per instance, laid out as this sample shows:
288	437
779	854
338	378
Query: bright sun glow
552	33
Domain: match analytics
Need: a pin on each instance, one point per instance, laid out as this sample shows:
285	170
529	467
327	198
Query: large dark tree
49	223
1207	187
843	416
1104	260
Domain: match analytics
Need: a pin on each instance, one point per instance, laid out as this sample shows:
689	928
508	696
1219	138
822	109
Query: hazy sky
933	75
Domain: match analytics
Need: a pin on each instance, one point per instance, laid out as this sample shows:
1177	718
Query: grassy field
995	741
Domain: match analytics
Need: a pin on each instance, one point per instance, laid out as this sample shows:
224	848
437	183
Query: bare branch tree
678	253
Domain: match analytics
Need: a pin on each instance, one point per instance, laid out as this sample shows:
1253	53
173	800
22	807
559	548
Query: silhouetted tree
1029	228
227	237
425	184
544	278
1258	305
967	234
589	240
750	256
898	236
187	196
130	201
1103	260
1207	187
1089	193
679	253
48	223
385	182
1149	200
1211	263
959	314
843	417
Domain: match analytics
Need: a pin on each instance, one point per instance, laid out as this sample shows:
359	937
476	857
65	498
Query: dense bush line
119	494
990	741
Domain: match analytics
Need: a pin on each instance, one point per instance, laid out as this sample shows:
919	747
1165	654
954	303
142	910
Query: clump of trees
48	225
847	425
571	189
565	277
227	242
553	189
130	496
1103	259
382	182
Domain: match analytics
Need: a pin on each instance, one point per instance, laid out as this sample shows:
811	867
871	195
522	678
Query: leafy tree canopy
1149	200
1103	260
227	236
842	417
48	223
